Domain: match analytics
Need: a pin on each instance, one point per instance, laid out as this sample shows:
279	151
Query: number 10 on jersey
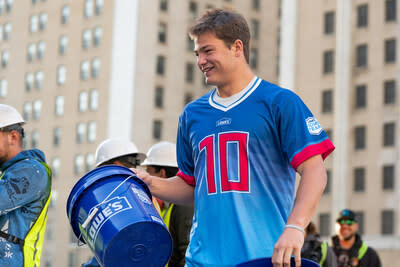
231	147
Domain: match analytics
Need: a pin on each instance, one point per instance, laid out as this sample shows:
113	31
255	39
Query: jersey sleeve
301	135
184	152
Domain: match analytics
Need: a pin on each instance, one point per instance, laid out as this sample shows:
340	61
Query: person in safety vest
317	250
161	162
25	189
349	248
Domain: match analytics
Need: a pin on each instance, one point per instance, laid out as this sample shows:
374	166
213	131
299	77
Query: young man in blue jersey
238	149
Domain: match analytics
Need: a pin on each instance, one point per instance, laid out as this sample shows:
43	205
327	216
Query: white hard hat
116	147
161	154
9	116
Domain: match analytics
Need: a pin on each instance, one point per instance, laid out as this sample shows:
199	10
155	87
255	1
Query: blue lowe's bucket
267	262
110	209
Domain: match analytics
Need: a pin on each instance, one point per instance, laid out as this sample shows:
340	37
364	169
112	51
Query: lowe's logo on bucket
105	211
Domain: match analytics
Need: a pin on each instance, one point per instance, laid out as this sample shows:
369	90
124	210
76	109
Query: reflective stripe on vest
324	252
363	249
34	238
166	214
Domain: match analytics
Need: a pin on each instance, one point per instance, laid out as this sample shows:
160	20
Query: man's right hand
142	174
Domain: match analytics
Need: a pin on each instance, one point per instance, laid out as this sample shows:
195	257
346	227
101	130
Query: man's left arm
311	186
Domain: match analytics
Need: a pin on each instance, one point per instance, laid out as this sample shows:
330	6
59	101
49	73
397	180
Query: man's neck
347	244
238	82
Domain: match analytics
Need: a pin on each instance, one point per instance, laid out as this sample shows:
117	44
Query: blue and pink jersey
242	159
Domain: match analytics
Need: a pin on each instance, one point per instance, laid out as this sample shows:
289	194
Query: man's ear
14	137
163	173
238	48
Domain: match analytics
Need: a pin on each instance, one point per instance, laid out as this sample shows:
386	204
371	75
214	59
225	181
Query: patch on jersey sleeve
313	126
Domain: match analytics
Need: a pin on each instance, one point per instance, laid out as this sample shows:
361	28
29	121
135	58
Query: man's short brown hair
227	25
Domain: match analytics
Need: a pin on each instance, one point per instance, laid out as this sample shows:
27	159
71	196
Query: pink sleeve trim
187	178
324	149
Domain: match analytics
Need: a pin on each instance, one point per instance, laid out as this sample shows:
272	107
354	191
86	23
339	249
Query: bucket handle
94	211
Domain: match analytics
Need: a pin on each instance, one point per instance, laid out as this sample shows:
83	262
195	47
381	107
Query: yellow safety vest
33	241
166	215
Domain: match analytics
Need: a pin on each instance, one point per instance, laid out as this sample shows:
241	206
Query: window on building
35	139
362	56
253	58
162	33
157	129
7	31
89	161
55	167
59	106
26	140
85	68
255	29
390	51
189	72
34	24
3	88
97	34
164	5
328	62
31	52
86	39
329	133
83	101
88	8
390	10
1	32
255	4
79	161
2	4
387	222
327	101
65	12
80	132
9	5
43	21
187	98
327	189
359	180
362	16
39	80
99	6
57	136
29	79
159	97
37	109
329	22
389	133
389	92
95	67
388	177
63	45
190	44
94	99
61	75
324	224
360	221
5	58
160	65
92	131
41	48
360	137
27	111
361	96
193	11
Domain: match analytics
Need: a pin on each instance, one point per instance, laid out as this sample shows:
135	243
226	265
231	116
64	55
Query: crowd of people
237	153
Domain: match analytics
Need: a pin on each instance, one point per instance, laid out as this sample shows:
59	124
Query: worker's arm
311	186
174	189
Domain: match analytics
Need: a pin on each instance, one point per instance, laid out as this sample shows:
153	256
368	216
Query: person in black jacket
350	250
317	250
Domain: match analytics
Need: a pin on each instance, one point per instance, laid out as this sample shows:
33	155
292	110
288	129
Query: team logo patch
223	122
313	126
